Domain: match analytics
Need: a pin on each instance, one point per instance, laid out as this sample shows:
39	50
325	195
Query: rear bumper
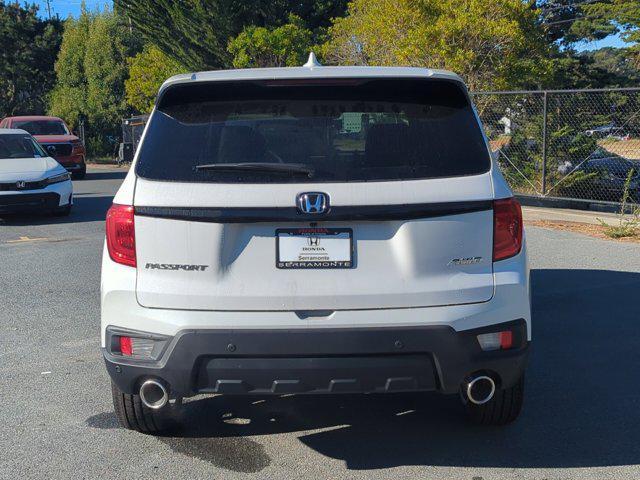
354	360
28	201
32	202
48	198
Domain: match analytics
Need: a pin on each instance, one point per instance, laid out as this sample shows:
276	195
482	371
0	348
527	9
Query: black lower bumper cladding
363	360
28	202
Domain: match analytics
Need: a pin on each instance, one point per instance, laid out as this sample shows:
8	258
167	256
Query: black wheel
62	211
503	408
80	174
133	415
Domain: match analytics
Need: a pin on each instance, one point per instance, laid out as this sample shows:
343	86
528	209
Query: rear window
342	130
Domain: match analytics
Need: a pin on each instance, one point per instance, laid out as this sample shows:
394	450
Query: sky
611	41
64	8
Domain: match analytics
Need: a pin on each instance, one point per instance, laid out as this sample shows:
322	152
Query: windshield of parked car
341	130
19	146
42	127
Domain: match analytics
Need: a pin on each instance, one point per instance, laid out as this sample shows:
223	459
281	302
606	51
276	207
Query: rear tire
133	415
503	408
62	211
80	174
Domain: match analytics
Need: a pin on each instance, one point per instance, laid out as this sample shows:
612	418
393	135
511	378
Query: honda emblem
313	202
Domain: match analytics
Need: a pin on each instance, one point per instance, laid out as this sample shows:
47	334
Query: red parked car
56	138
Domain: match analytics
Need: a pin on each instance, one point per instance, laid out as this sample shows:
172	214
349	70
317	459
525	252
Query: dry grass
597	231
629	149
500	142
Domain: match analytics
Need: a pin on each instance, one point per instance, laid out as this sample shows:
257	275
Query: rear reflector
506	340
507	228
121	235
125	346
496	341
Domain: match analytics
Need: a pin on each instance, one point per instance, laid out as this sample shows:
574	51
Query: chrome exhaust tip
153	394
480	389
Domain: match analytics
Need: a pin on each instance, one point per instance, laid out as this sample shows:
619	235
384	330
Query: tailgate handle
304	314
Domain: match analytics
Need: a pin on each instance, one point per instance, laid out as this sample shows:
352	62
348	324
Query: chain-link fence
566	143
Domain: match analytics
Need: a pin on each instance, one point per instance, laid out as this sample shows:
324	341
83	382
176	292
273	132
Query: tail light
507	228
121	235
133	346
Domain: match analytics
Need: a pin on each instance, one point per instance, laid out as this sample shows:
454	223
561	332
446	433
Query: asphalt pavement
580	420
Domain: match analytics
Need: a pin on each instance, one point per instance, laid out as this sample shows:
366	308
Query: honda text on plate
314	230
30	180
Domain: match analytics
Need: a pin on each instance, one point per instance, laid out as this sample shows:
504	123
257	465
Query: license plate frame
318	233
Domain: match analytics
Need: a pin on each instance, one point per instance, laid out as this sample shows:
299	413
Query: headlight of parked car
62	177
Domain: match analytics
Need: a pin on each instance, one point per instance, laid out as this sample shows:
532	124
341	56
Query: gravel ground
57	420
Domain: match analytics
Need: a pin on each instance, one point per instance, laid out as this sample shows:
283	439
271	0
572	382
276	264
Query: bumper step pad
351	374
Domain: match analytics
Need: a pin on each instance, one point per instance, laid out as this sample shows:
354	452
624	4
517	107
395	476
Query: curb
108	166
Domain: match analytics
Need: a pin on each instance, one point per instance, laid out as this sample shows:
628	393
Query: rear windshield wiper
296	168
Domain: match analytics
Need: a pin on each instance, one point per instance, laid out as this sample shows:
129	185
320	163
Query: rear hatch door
374	193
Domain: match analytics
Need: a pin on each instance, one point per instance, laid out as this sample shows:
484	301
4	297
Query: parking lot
580	418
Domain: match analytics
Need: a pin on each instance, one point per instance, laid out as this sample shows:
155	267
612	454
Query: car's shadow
85	209
581	407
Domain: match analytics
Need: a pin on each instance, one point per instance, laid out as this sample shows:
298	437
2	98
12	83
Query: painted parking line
20	240
28	239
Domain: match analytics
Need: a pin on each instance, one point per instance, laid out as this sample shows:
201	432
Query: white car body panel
408	284
299	73
242	273
124	195
28	169
121	308
152	193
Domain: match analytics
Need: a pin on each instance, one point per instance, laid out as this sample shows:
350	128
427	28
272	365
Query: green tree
147	71
567	22
558	16
91	71
196	32
28	51
598	20
492	44
608	17
284	46
603	68
571	21
69	97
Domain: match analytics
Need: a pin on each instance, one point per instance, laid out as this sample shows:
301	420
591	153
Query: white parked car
603	131
266	241
30	180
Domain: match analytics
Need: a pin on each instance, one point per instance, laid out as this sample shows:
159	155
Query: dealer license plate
314	248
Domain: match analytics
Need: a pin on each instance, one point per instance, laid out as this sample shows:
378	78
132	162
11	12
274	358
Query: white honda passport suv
314	230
